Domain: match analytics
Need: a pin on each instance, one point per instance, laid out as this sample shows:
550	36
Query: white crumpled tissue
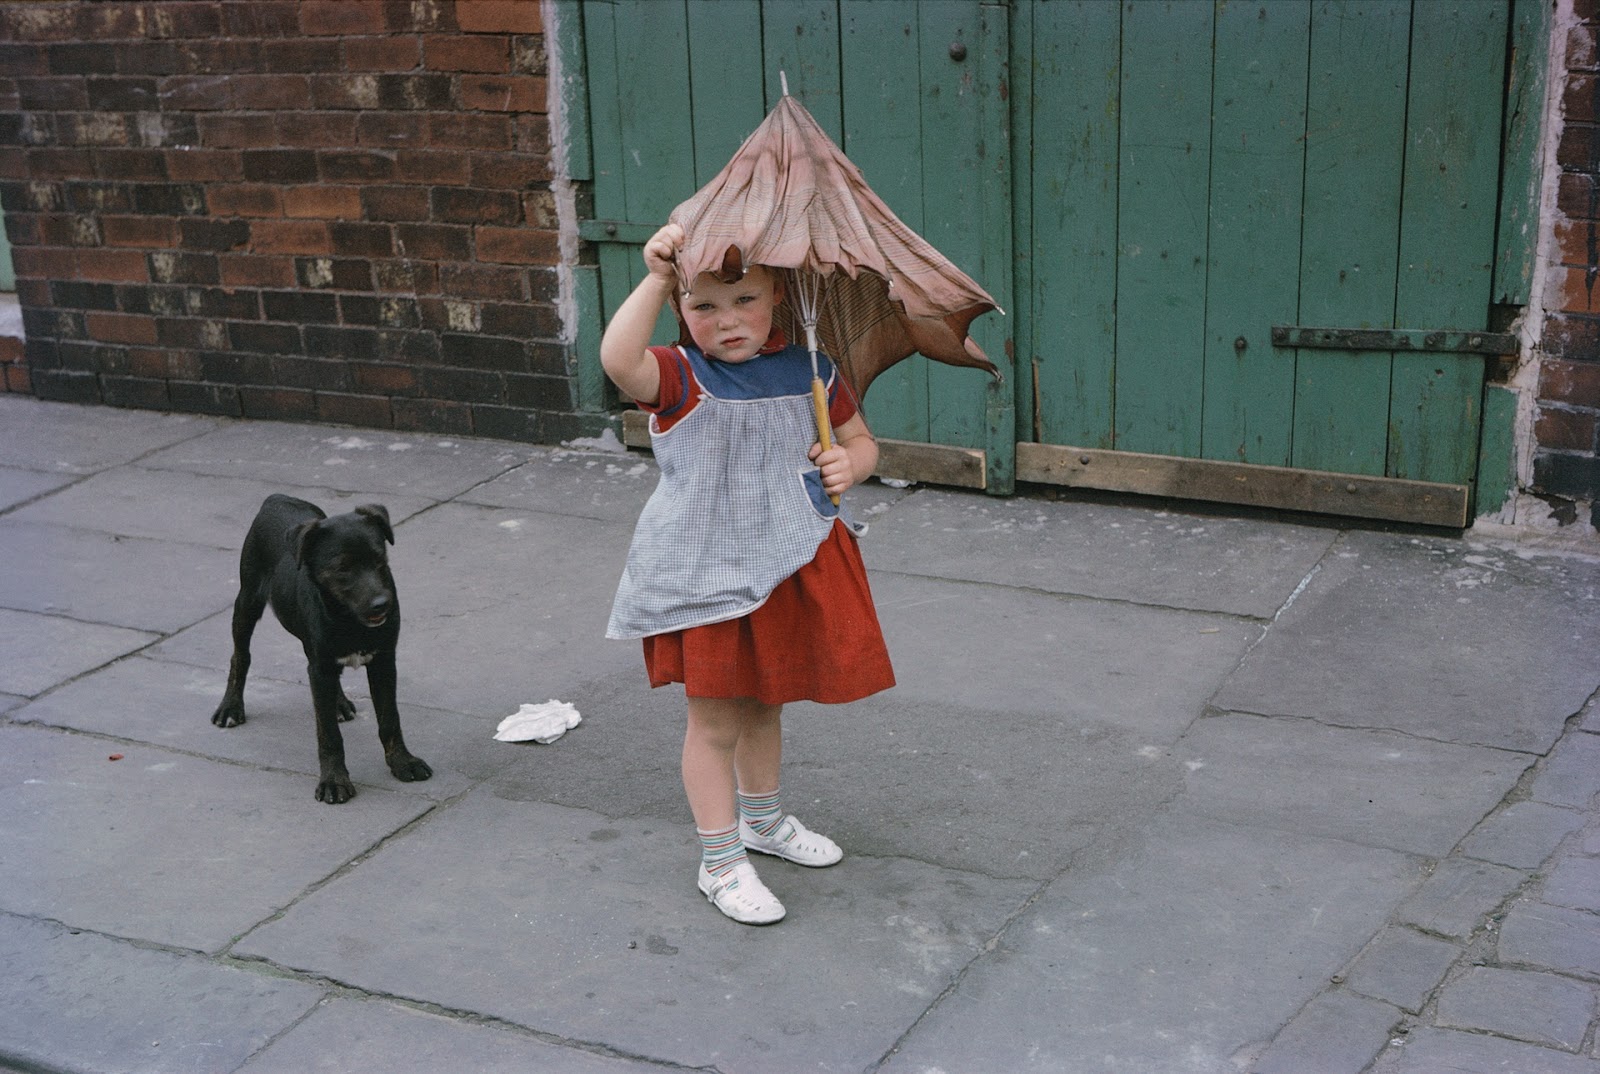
538	723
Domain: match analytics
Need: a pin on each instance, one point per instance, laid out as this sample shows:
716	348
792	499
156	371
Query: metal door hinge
1429	341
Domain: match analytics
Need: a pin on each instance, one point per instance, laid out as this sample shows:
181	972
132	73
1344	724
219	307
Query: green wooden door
1203	172
1149	187
912	91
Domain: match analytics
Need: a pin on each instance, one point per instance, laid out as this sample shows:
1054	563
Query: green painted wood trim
574	89
591	378
1522	173
1497	451
616	231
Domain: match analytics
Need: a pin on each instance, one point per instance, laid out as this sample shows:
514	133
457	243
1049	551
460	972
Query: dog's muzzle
377	612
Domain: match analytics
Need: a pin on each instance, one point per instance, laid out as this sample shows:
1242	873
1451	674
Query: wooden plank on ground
1353	495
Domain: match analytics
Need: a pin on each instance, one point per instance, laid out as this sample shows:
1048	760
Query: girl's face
731	321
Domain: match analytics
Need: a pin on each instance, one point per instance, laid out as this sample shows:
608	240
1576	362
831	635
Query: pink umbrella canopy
791	199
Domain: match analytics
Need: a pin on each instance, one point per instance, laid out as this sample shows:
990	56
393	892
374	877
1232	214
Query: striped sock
761	811
720	851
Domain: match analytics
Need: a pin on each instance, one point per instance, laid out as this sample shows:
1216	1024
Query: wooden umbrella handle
819	403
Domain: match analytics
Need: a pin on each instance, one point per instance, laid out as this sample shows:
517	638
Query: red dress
817	636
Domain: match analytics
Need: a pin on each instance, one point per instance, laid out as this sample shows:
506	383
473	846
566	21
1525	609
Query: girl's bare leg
725	734
759	754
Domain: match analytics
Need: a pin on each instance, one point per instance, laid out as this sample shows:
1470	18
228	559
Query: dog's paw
410	769
346	709
229	714
335	790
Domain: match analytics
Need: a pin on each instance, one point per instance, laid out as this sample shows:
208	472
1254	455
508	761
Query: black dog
328	582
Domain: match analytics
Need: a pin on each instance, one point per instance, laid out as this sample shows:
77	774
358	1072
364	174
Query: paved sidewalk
1159	791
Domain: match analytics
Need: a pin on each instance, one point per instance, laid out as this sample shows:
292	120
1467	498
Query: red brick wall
321	211
1566	457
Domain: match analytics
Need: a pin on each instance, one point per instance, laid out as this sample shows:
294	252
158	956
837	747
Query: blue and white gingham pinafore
739	506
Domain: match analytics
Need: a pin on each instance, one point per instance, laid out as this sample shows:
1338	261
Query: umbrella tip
783	81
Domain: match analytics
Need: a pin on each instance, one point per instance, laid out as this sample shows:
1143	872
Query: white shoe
792	841
741	895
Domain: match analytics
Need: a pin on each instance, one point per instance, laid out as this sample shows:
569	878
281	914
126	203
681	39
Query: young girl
743	581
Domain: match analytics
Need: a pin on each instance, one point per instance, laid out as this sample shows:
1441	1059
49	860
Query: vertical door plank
954	194
1355	135
1257	176
991	57
726	81
801	40
1452	173
1161	265
605	138
657	134
880	68
1073	116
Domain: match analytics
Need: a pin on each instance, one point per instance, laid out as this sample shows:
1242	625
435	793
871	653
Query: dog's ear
378	515
302	538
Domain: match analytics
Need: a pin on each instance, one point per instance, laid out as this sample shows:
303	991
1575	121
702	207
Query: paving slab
174	712
883	776
20	486
1373	787
102	578
519	619
1458	895
1181	955
91	1005
1445	1051
1150	556
345	1035
1091	664
45	650
638	962
1570	776
1540	1008
503	606
1522	835
61	438
1573	881
165	847
1335	1032
1402	966
321	456
587	484
1553	937
136	502
1415	634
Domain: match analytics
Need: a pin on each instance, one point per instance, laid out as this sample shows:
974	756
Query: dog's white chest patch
356	660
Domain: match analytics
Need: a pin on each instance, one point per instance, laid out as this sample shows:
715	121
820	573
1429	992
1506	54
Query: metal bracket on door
1424	341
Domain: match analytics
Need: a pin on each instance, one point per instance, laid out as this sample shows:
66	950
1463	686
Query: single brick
278	404
500	17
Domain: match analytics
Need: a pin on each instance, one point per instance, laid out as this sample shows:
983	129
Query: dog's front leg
333	785
406	766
